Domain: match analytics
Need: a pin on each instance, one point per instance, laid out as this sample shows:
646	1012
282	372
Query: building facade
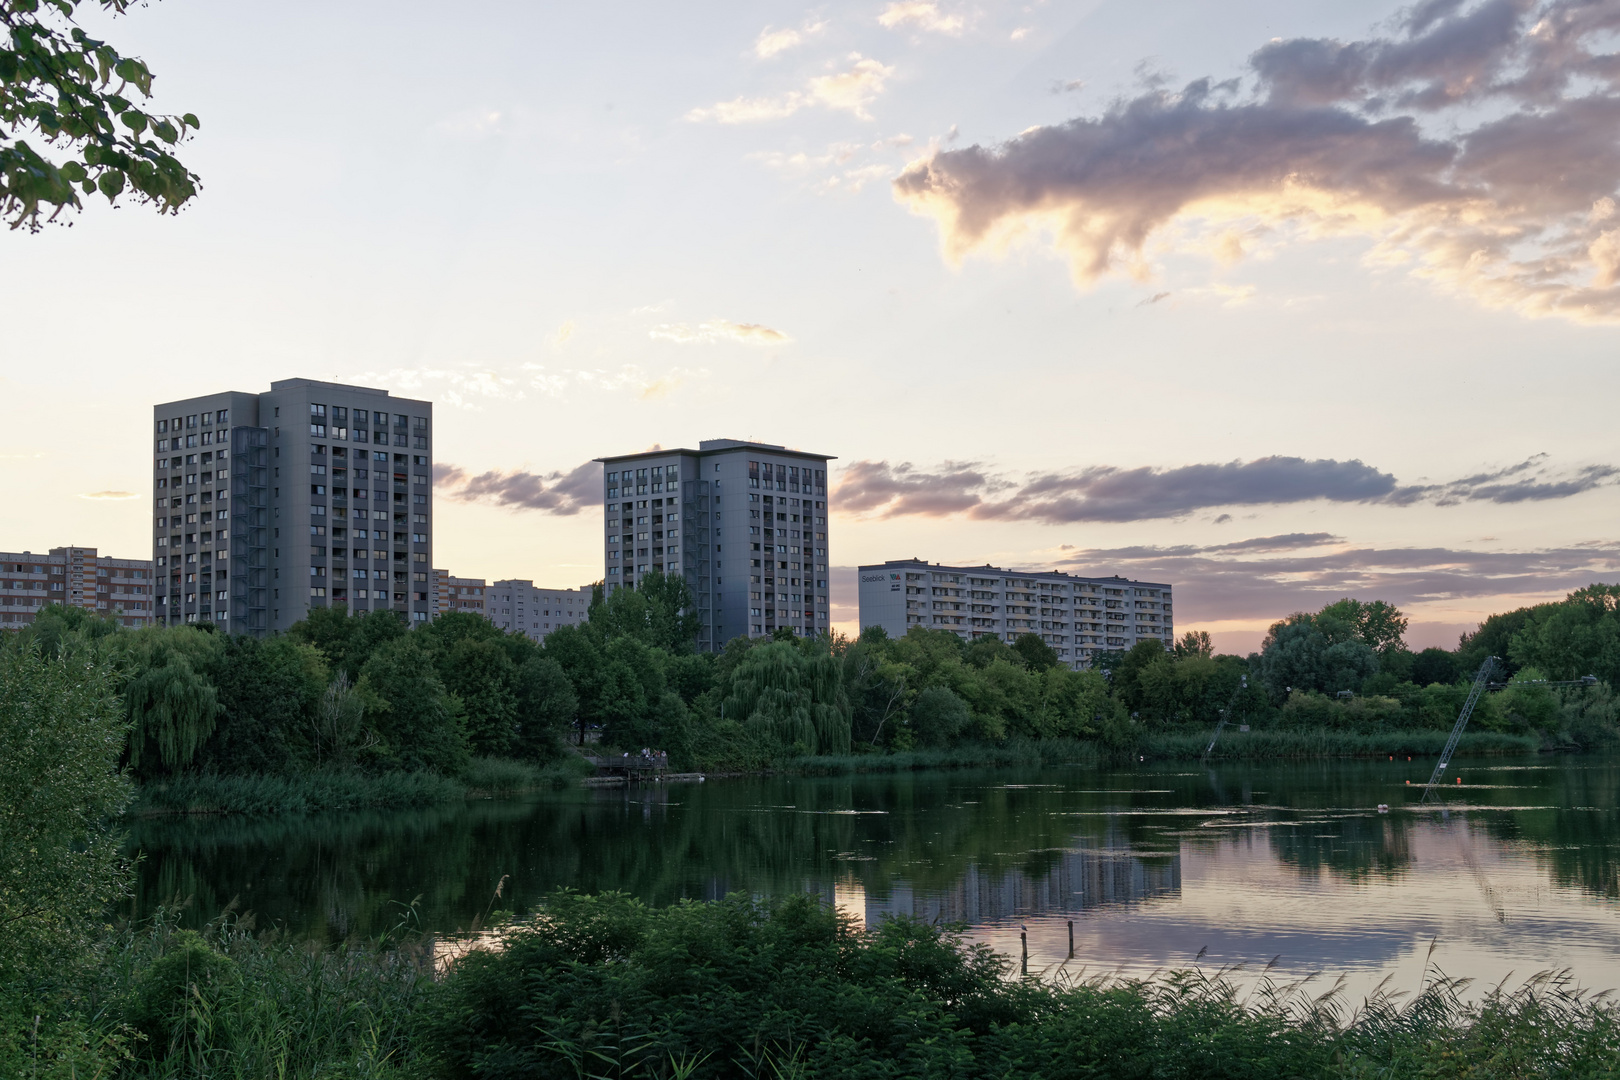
744	523
451	593
77	577
522	607
1079	617
312	494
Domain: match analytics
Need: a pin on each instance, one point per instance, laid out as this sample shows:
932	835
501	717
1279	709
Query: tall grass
1285	743
503	776
214	793
231	1004
1014	752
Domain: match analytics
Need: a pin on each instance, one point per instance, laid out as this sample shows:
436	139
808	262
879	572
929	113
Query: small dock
647	767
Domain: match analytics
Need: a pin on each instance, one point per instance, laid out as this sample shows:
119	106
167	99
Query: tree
1434	665
1577	636
57	82
790	695
660	612
1036	654
1195	643
415	718
1306	652
938	716
479	672
546	707
268	691
1379	625
173	706
61	735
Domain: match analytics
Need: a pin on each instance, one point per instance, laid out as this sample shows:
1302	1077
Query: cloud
108	495
1269	577
1474	147
770	42
718	330
1111	493
922	14
849	90
563	494
467	388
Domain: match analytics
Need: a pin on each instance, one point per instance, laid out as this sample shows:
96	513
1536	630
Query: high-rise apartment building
309	495
451	593
1079	617
76	577
745	523
524	608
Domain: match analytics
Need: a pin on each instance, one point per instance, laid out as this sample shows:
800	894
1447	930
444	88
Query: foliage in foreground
604	986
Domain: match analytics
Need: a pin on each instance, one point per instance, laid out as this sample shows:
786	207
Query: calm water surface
1518	873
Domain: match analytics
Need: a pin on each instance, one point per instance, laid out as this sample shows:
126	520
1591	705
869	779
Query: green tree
1378	625
67	89
1036	654
415	717
481	674
61	735
546	708
1578	636
1195	643
1434	665
172	704
938	716
660	611
268	690
791	696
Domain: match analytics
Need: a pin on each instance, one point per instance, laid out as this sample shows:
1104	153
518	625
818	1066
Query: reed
310	792
1282	743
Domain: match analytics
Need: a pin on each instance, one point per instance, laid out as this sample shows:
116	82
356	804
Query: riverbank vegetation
345	712
607	986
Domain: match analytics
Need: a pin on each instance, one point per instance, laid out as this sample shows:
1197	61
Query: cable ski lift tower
1481	682
1226	713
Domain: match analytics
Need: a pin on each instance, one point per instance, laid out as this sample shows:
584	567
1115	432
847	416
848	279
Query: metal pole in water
1071	939
1023	937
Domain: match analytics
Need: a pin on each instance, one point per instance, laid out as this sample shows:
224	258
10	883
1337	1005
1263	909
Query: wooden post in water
1071	939
1023	938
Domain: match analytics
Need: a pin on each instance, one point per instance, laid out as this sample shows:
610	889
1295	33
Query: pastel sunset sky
1274	301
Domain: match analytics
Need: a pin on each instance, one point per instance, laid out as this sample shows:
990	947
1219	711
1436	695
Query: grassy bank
337	789
740	989
1284	744
1014	752
1236	745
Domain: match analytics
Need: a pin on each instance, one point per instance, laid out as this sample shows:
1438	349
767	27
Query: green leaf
73	172
135	120
191	120
111	183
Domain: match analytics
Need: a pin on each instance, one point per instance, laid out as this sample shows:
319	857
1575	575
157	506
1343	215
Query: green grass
1014	752
1278	744
335	789
502	776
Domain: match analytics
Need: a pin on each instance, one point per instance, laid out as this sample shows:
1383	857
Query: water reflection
1518	873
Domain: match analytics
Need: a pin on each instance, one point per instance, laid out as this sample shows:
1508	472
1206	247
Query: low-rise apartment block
451	593
77	577
1078	617
525	608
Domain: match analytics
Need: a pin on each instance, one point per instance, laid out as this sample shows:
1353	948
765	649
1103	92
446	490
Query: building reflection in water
1076	882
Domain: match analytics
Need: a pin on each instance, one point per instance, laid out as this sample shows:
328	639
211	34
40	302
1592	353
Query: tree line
369	693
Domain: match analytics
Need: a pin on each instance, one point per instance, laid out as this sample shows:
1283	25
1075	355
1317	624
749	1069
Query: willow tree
792	696
172	704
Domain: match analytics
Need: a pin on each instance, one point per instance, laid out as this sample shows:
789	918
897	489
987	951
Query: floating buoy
1409	781
1383	808
1459	779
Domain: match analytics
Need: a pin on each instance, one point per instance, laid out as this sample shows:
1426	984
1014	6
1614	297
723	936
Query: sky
1274	302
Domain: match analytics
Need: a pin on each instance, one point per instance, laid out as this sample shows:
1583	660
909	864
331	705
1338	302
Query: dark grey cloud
1478	142
1110	493
1227	582
564	494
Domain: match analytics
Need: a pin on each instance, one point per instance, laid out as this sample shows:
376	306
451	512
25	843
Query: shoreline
218	795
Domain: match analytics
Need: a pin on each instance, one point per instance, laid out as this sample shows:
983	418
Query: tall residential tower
310	495
745	523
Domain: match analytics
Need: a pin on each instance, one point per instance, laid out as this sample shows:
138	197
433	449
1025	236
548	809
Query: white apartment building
1078	617
525	608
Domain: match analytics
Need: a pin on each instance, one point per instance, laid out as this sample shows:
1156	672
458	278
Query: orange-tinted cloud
1331	138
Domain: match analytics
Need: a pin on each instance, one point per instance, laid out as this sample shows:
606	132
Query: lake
1515	873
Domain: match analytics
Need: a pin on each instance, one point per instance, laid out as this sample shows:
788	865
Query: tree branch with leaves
68	91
